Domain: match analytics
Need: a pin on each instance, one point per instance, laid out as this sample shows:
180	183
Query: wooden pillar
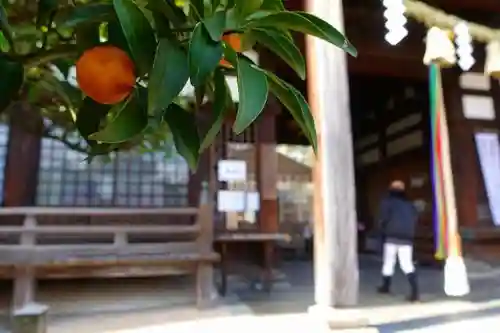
336	276
23	156
266	166
196	178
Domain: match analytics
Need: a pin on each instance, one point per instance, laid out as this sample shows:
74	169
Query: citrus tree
133	58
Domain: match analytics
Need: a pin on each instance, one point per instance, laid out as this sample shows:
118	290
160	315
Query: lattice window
128	180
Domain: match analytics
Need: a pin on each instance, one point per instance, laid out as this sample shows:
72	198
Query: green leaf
293	100
253	89
168	9
89	118
131	120
138	32
305	23
116	36
215	4
197	9
70	95
83	14
245	7
204	55
4	44
185	133
162	26
221	94
168	76
215	25
87	36
11	81
5	27
283	47
273	5
230	55
45	12
233	21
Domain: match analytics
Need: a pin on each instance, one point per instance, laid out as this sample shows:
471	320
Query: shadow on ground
298	296
433	321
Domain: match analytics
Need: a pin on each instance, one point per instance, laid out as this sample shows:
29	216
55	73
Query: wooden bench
188	247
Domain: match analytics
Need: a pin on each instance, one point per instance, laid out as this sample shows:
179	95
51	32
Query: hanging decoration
492	66
431	16
465	33
445	210
463	41
439	48
440	221
395	21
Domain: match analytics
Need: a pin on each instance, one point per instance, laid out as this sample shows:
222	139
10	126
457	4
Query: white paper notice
231	201
231	170
253	202
488	149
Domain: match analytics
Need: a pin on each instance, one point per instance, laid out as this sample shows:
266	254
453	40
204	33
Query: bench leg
268	266
205	288
32	318
24	287
223	270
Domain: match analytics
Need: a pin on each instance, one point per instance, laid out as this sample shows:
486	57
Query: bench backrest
38	241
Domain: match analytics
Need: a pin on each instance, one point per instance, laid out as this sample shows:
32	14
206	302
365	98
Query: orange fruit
106	74
233	40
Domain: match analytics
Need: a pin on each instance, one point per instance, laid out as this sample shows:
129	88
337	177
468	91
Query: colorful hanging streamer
440	211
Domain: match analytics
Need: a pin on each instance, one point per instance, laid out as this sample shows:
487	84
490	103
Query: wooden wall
473	102
396	151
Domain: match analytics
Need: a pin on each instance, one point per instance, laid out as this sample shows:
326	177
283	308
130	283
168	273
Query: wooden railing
100	245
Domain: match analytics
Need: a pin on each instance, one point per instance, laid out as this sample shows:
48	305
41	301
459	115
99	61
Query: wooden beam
486	5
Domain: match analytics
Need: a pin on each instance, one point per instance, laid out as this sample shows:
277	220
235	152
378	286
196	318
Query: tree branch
45	56
73	146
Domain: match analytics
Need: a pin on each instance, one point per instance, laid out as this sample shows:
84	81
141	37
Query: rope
431	16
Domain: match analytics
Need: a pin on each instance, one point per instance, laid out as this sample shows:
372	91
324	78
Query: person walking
397	221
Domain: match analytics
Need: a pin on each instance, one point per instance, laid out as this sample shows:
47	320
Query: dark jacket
397	217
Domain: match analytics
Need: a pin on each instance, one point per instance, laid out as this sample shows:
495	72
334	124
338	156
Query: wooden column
336	276
23	156
266	166
335	260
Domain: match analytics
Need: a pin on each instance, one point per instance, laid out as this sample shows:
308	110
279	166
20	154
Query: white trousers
392	252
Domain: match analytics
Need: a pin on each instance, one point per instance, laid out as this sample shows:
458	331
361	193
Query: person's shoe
385	288
414	293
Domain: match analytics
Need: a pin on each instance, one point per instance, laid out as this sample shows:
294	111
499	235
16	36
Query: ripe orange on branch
106	74
233	40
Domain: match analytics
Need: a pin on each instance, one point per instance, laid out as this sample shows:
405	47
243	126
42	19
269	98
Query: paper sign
488	148
231	170
231	201
253	202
